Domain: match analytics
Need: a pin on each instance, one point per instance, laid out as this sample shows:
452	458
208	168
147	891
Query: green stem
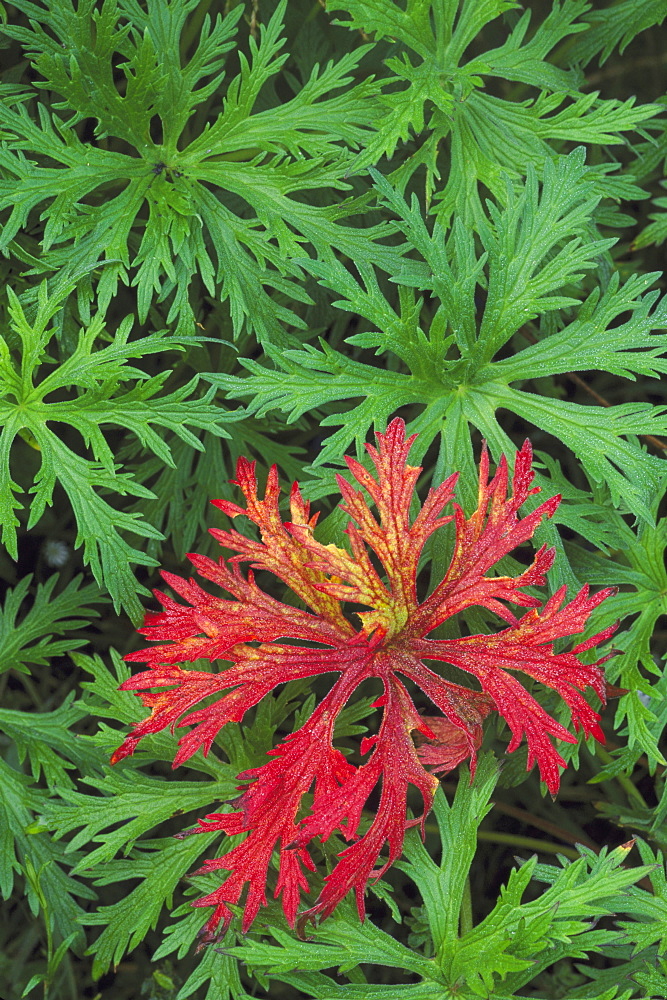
532	843
515	840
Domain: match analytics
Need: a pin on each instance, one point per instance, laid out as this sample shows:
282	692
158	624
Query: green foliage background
262	229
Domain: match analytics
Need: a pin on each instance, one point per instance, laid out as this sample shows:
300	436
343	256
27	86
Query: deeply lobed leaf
392	644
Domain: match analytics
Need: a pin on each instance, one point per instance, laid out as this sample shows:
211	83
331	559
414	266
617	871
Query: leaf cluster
261	229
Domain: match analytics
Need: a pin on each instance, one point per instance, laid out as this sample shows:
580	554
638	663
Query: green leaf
226	201
465	134
47	740
20	801
318	377
536	246
138	802
30	641
518	940
652	981
442	886
650	908
93	380
221	972
159	866
656	231
104	700
595	341
525	61
615	26
340	942
637	566
597	435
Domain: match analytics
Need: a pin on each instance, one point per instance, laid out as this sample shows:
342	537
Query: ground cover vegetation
401	732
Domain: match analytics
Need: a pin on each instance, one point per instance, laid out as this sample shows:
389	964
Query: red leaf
308	790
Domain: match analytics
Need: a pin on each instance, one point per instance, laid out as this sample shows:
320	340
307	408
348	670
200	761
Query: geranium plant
391	645
371	247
